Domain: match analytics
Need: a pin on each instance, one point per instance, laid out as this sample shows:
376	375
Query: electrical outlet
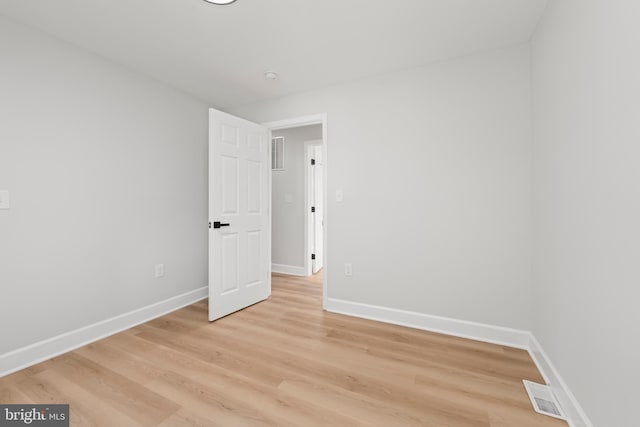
348	270
4	199
159	270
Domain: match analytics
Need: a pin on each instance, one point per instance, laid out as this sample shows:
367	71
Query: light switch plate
348	269
339	196
159	270
4	199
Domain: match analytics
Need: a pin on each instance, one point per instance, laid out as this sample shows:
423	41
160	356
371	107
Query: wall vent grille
277	153
543	400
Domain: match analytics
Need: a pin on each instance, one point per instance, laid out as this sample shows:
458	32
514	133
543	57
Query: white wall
586	74
108	176
288	218
434	163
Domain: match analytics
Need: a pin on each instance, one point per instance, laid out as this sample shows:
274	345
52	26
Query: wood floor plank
362	407
129	397
207	402
10	394
84	409
284	362
186	418
121	361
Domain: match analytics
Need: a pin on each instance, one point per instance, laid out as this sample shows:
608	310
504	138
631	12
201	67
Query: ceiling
219	53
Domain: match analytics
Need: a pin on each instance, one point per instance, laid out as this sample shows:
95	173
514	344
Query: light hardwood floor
283	362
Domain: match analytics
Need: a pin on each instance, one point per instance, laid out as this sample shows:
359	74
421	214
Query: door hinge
313	162
313	256
313	208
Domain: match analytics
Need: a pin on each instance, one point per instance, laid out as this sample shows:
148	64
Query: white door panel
238	189
316	193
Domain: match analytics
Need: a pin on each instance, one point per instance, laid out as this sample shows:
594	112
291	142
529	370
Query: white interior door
318	218
239	233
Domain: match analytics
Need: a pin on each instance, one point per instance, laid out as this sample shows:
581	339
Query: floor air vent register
543	400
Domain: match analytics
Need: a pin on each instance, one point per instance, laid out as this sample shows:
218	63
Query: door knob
218	224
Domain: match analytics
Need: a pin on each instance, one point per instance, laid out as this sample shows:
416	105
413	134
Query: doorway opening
298	197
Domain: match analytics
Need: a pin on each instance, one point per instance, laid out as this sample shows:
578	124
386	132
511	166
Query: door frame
308	185
316	119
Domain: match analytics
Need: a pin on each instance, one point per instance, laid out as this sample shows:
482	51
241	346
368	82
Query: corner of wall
575	414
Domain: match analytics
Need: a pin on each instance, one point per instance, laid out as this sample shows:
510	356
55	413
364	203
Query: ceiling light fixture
220	1
271	75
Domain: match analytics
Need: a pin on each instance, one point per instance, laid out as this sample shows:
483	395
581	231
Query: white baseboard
55	346
476	331
459	328
288	269
44	350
